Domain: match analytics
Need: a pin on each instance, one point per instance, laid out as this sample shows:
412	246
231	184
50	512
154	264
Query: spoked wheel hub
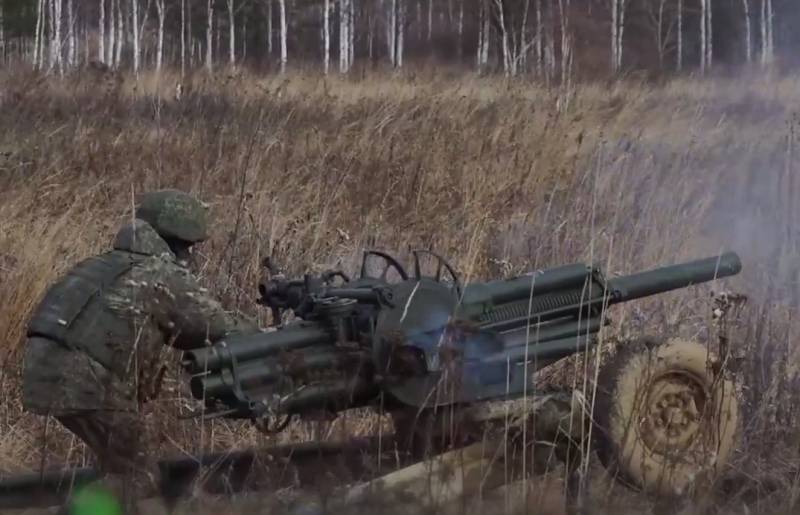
673	409
667	418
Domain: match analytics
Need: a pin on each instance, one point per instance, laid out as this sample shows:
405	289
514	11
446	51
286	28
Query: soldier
97	341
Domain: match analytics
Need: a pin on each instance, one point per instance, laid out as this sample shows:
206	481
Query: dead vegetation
500	176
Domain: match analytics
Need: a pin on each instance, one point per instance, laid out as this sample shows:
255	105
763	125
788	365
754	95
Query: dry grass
500	176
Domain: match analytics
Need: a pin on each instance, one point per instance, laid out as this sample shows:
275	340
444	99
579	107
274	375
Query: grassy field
501	177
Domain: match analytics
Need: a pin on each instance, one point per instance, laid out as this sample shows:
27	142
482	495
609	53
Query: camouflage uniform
97	342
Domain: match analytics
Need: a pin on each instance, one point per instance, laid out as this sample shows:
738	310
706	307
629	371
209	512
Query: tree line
513	37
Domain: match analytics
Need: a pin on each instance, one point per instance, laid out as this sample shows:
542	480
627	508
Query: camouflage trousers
116	439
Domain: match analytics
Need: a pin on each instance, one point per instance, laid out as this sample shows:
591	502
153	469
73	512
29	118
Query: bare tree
326	35
748	37
209	35
391	32
430	19
401	29
679	57
231	33
484	28
135	32
2	34
460	29
282	4
344	37
112	28
39	39
351	33
183	38
120	35
370	30
767	41
706	36
57	43
539	48
269	27
72	42
709	35
101	34
395	31
617	32
566	43
160	9
663	26
504	37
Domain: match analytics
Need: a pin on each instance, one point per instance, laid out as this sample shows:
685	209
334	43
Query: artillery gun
426	347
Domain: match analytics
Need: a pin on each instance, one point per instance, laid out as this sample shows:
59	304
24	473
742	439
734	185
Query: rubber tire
620	445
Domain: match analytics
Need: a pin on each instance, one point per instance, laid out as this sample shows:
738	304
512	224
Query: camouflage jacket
99	339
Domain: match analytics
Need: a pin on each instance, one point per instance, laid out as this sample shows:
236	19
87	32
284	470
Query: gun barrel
673	277
252	346
262	373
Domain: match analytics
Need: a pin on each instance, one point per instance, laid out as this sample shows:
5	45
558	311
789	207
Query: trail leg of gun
554	421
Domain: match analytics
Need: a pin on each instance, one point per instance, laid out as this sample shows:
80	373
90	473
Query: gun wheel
666	416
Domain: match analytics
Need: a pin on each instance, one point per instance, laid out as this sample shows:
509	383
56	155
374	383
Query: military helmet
174	215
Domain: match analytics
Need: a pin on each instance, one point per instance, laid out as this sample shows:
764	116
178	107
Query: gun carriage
424	344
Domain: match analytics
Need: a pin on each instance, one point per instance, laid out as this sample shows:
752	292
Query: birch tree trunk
748	36
479	52
51	35
209	35
282	4
231	34
112	27
135	29
770	34
326	35
507	59
767	38
86	46
2	35
709	35
522	50
621	32
269	27
343	36
58	21
614	38
419	23
703	37
370	31
679	55
483	37
550	47
72	42
566	46
401	29
539	38
40	9
101	34
190	39
183	38
660	39
351	31
120	35
160	7
217	38
430	19
460	29
391	32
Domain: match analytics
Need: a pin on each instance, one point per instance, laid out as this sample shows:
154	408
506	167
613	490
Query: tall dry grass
500	176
